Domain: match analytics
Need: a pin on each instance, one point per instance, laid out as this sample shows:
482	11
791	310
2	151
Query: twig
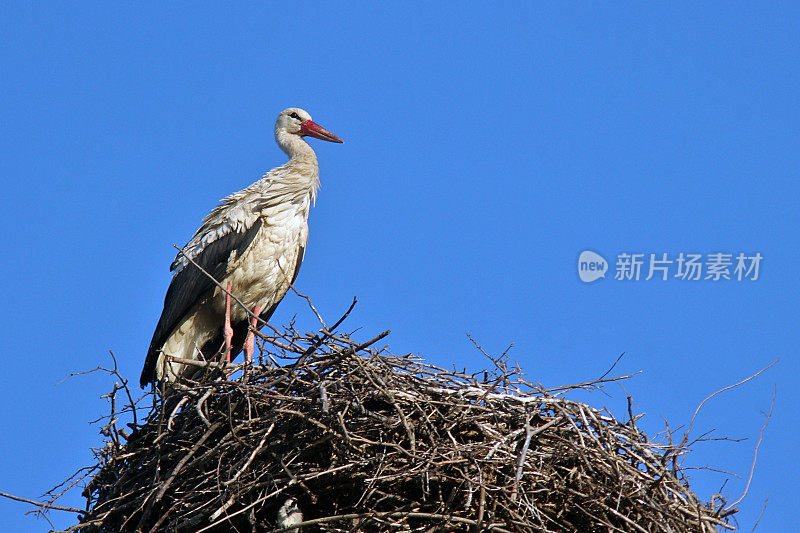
755	451
392	514
252	455
607	372
39	504
763	508
745	380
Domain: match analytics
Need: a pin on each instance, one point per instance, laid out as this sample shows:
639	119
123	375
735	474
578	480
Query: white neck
302	168
295	146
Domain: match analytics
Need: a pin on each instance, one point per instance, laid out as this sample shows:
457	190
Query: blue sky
485	149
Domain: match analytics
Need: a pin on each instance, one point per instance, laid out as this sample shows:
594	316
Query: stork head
296	121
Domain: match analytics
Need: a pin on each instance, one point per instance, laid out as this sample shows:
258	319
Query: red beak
313	129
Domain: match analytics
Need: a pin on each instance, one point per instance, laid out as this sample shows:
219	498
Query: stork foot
228	329
250	341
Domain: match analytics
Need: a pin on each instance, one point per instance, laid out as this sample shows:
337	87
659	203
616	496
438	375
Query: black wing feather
190	286
301	252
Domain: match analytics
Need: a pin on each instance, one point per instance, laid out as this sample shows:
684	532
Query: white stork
252	243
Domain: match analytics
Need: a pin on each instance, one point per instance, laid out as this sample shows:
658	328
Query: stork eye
295	115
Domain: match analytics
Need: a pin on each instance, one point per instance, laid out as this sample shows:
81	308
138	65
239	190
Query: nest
351	438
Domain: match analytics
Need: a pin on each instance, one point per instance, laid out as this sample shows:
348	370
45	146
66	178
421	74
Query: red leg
250	341
228	330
